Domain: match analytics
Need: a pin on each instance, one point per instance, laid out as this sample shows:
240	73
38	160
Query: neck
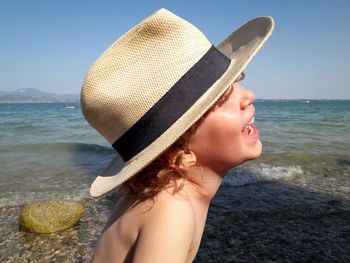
204	183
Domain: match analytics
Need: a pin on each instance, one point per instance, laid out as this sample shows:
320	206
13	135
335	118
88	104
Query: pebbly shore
266	222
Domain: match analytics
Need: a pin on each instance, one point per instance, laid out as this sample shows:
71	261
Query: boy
171	104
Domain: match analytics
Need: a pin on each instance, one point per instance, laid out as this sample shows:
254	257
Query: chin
255	152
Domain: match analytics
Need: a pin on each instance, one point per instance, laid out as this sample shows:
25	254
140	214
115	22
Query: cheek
229	125
222	132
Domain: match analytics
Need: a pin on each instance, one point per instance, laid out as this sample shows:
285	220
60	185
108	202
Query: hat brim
241	46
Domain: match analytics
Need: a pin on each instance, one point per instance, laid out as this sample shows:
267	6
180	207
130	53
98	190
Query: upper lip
250	114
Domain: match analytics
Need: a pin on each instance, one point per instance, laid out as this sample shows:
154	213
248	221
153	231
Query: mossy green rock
50	216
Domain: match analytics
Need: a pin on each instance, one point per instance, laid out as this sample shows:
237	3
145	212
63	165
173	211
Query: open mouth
249	128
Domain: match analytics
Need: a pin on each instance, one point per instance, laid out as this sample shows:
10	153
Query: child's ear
183	159
187	160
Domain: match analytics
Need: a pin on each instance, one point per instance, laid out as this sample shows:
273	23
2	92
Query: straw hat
155	82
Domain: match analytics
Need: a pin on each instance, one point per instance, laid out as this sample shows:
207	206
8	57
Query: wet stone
50	216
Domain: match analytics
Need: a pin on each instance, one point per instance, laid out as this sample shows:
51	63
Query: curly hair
159	175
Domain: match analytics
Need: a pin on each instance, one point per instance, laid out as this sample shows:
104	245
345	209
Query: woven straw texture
141	66
137	70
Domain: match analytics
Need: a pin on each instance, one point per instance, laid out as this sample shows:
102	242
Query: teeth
252	121
250	129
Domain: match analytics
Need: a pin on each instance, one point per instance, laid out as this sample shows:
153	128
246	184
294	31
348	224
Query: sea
49	151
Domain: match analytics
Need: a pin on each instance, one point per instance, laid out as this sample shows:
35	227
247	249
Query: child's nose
248	97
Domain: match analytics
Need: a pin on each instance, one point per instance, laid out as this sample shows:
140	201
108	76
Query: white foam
260	173
30	197
239	176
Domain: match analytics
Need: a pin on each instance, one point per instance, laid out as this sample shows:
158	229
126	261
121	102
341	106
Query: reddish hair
159	175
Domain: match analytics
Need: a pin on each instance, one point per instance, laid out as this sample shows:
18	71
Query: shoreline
265	222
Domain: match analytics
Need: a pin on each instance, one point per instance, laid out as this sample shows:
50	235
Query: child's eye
240	77
223	97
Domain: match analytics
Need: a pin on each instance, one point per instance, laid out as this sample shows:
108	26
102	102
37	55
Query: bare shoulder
168	205
170	213
167	230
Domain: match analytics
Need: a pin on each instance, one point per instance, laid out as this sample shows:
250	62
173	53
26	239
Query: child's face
221	140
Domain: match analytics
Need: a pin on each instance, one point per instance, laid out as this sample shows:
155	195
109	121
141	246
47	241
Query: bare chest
200	225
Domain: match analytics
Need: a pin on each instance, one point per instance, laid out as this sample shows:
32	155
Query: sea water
48	151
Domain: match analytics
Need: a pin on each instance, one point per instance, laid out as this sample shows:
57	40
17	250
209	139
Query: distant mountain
32	95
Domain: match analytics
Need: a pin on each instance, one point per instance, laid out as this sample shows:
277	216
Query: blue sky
50	45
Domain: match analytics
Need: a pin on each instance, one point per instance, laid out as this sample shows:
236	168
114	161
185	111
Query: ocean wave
22	128
55	147
260	173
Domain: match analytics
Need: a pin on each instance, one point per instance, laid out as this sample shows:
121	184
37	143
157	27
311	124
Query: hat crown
137	70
